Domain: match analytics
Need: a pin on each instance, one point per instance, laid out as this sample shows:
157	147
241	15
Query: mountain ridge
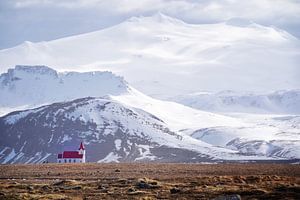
36	85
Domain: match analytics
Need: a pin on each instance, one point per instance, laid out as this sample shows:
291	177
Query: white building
72	156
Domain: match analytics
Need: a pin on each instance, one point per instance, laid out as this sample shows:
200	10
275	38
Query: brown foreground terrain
150	181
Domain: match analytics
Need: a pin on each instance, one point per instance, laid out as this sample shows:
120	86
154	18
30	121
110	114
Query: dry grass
149	181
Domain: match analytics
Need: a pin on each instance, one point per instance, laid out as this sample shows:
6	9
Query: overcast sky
38	20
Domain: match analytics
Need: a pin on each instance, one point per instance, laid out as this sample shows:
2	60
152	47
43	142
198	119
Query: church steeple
81	151
81	146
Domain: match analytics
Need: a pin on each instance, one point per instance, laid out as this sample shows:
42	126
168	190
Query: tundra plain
150	181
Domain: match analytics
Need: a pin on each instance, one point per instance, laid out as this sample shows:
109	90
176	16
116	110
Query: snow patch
118	144
10	156
111	157
145	153
65	138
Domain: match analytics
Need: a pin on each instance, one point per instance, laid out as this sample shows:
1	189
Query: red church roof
70	154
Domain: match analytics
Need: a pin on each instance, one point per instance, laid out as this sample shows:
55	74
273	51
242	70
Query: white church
72	156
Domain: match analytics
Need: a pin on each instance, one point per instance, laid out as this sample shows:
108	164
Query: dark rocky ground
150	181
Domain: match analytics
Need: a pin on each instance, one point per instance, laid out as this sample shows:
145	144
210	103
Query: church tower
82	152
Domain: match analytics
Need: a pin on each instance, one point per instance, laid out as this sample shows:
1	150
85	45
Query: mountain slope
112	133
210	57
246	133
279	102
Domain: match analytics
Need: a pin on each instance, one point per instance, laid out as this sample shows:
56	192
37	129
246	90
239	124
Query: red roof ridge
70	154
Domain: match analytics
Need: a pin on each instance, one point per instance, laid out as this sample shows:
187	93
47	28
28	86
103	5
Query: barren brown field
150	181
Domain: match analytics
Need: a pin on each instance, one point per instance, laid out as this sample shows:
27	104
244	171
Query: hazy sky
38	20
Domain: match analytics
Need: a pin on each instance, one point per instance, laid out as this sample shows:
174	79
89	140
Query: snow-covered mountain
36	85
272	136
112	133
279	102
120	123
163	57
32	86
